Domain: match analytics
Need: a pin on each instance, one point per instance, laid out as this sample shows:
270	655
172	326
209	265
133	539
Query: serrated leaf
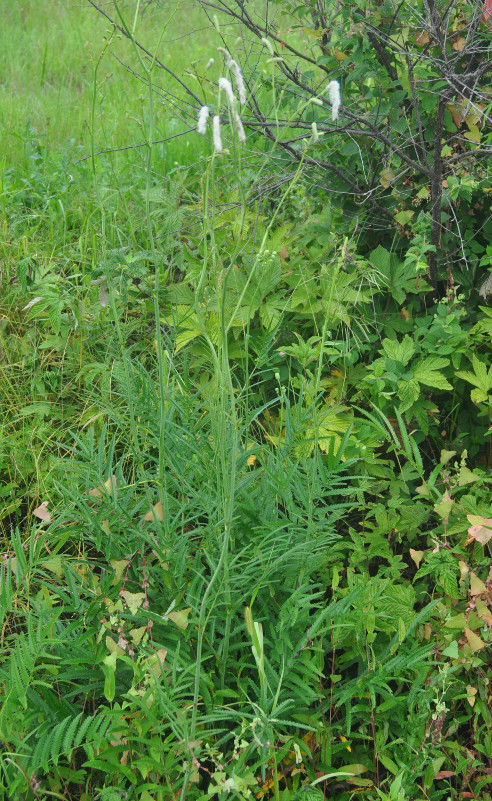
408	394
399	351
427	372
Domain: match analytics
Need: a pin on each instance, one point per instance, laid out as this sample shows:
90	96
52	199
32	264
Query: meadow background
244	437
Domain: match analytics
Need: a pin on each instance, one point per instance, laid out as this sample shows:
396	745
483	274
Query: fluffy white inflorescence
202	120
268	46
239	127
216	133
241	88
335	100
226	87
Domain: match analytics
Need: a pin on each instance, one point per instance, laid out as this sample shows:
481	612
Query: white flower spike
335	100
202	120
241	88
216	133
226	87
239	127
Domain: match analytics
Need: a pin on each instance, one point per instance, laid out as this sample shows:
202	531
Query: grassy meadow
244	477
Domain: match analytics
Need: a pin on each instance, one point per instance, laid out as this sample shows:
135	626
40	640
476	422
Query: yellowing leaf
119	566
464	569
134	600
474	641
446	456
459	43
355	769
156	513
484	612
114	651
466	476
251	460
477	587
422	38
137	634
473	135
456	622
416	556
387	177
404	217
108	488
443	509
180	618
340	56
42	512
54	566
470	694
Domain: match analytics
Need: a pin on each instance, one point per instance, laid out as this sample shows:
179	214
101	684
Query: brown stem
436	191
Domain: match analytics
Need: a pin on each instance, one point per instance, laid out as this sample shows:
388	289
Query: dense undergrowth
244	485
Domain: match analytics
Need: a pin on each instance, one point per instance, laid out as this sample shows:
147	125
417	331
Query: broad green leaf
404	217
408	393
451	650
427	372
399	351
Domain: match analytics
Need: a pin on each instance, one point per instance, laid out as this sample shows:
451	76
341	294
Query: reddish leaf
481	531
42	512
444	774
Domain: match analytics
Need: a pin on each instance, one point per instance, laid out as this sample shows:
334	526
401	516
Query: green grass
48	58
